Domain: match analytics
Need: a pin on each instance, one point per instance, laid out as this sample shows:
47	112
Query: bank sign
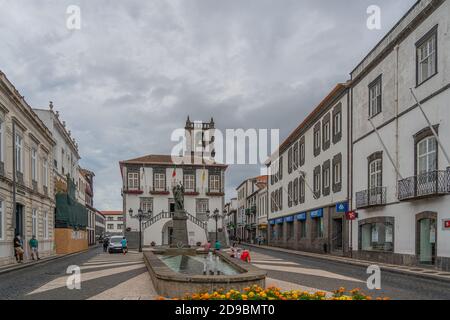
342	207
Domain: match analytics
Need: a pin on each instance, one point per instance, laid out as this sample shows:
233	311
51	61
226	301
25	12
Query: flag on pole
174	174
203	178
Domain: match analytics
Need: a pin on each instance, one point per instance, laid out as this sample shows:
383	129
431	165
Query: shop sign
272	222
289	219
317	213
342	207
279	221
301	216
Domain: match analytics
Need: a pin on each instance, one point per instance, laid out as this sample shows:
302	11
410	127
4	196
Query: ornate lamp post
140	215
215	215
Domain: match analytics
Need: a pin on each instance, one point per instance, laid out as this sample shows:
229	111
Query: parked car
115	244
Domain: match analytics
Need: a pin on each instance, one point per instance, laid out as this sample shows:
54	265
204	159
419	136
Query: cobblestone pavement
103	276
290	271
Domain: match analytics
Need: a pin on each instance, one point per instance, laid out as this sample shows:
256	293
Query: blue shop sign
317	213
279	221
301	216
272	222
342	207
289	219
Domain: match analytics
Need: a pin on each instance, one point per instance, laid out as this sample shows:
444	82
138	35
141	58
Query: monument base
179	229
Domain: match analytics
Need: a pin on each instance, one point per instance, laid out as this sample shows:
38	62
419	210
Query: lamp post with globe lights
141	215
216	215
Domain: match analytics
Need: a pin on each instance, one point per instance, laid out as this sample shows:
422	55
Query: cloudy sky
136	69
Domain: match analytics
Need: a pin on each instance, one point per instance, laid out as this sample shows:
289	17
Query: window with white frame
427	155
45	222
202	207
337	173
375	174
326	132
326	178
34	222
214	183
427	57
159	181
337	124
147	204
34	164
317	182
133	180
189	182
317	139
19	153
45	172
2	217
375	97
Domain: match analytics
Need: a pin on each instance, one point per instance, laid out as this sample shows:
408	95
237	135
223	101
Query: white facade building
403	204
113	223
308	180
25	152
65	153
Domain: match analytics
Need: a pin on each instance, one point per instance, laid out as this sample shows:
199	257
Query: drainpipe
397	49
14	209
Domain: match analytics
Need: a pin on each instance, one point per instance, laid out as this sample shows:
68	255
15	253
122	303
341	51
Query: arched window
426	155
375	174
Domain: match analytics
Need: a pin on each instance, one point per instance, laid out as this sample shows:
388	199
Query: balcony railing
427	184
371	197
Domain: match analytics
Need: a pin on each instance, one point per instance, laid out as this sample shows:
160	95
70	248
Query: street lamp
215	215
140	215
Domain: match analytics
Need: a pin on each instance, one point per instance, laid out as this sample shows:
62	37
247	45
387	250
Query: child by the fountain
246	256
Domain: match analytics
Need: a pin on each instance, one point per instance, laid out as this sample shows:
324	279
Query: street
103	276
119	277
326	275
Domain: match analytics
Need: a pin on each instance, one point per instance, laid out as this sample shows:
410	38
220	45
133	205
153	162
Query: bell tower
200	139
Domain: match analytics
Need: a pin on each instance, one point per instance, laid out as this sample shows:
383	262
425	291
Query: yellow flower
251	295
244	297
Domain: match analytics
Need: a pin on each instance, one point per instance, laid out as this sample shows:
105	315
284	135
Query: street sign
447	224
351	215
342	207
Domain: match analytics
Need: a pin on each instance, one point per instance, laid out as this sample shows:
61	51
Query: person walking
217	245
34	244
124	245
18	248
105	244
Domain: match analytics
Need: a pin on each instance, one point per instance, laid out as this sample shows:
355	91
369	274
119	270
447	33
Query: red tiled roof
337	90
111	213
169	160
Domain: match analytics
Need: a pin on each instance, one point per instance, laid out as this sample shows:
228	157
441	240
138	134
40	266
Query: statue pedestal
180	233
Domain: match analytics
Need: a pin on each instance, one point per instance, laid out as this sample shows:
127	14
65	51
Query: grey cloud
136	69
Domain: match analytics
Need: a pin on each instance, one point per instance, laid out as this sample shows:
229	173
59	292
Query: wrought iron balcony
429	184
371	197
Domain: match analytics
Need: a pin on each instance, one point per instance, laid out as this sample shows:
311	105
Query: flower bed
273	293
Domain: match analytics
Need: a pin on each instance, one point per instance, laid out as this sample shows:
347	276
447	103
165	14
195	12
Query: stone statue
178	195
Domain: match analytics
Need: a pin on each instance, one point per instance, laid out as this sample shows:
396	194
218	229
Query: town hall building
148	182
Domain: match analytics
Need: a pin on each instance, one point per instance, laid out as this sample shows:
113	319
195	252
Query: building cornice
14	96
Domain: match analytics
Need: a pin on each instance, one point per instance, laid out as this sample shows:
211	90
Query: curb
354	262
42	261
